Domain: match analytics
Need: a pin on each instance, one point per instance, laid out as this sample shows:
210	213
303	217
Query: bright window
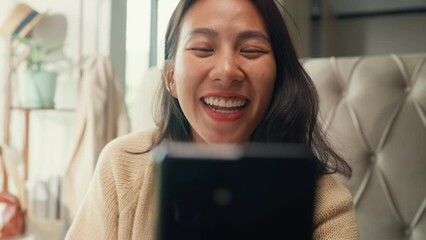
165	10
138	42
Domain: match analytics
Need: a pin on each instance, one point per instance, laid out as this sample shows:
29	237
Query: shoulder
129	146
123	166
334	210
126	156
137	142
329	188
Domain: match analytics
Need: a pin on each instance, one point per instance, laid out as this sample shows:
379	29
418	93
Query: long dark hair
292	115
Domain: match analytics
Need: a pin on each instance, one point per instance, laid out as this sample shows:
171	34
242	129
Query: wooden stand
27	132
7	91
11	69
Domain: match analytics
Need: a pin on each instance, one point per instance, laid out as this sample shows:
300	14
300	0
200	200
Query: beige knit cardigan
121	202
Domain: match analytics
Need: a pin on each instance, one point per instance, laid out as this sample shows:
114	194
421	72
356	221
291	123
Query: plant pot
37	88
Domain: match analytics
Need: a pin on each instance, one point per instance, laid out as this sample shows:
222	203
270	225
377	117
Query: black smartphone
255	191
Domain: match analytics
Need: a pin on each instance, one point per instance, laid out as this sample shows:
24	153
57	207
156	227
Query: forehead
223	15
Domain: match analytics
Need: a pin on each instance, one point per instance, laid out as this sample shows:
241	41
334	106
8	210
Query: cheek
265	83
265	91
268	86
181	73
188	73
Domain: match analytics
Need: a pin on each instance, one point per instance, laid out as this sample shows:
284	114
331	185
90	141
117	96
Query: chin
220	136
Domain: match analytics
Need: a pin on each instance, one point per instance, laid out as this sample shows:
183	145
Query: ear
171	82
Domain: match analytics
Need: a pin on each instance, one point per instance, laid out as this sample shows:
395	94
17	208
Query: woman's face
224	70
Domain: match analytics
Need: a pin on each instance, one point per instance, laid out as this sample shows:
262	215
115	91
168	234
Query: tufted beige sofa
374	109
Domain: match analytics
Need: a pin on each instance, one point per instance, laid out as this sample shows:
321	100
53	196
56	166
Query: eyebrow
253	34
203	31
241	36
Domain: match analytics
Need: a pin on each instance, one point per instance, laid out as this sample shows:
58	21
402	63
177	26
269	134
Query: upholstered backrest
374	110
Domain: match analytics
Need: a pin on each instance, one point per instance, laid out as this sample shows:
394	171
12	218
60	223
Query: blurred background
131	34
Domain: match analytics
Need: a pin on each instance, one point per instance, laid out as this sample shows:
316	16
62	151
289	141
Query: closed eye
253	53
201	49
201	52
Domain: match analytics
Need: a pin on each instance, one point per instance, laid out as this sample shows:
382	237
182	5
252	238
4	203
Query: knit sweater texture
121	202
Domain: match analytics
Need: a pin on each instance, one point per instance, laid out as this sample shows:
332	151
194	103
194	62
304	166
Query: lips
225	108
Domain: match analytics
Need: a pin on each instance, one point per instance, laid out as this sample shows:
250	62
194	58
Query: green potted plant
37	85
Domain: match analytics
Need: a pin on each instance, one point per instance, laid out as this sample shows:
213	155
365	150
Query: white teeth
216	102
223	102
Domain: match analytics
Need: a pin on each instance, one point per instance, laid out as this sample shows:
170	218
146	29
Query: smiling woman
220	61
231	75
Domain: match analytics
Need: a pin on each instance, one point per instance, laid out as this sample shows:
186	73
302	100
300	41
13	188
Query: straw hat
21	21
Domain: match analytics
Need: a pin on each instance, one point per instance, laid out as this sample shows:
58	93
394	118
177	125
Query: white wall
381	35
6	6
361	6
369	27
298	20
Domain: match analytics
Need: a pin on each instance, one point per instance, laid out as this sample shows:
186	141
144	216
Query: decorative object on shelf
36	84
52	31
20	21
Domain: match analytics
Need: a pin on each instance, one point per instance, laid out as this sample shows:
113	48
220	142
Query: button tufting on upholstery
373	158
407	233
408	89
382	135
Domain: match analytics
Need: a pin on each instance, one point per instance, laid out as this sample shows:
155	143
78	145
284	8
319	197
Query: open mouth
225	105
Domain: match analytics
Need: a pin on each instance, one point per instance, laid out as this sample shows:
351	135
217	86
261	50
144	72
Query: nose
227	69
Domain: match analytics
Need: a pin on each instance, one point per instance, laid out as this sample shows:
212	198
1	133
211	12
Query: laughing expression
224	71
